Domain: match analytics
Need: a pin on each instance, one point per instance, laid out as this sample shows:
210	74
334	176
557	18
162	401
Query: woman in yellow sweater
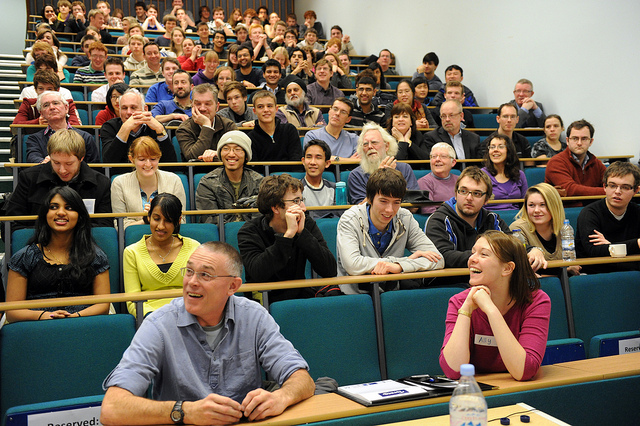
154	262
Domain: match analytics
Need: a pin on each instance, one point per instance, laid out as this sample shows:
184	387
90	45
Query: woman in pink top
501	322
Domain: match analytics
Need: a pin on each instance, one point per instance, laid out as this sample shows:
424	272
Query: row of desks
333	406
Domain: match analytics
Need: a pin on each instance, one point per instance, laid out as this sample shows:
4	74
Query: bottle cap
467	370
524	418
341	183
505	421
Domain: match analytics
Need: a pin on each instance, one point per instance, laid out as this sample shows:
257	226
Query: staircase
10	75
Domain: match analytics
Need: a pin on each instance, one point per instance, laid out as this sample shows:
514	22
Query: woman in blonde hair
134	191
540	220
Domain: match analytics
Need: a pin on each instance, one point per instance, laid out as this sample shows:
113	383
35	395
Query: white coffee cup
618	250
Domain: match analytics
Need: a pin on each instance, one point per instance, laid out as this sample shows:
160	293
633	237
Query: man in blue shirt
179	108
204	352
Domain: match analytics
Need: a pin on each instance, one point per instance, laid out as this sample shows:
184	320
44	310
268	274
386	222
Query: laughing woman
501	323
60	260
154	262
133	192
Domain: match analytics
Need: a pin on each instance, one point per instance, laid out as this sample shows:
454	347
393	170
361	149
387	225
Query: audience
258	43
454	73
178	109
373	237
272	140
272	73
440	182
66	150
155	262
112	109
297	110
221	77
163	90
456	224
612	220
151	22
219	41
276	245
377	150
384	59
502	166
60	260
235	95
300	67
453	90
342	143
465	143
540	220
550	144
114	72
133	192
576	171
210	64
428	70
322	92
317	190
199	135
224	187
405	93
54	110
530	112
135	120
190	60
249	330
83	60
504	301
347	46
339	78
246	74
402	126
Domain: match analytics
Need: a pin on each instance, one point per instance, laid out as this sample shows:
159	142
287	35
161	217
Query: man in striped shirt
94	72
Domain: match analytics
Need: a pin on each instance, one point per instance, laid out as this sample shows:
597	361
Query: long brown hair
507	248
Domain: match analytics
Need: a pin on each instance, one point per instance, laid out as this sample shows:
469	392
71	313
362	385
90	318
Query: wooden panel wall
282	7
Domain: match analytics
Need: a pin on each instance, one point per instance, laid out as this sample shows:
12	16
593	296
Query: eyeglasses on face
297	200
475	194
624	187
201	276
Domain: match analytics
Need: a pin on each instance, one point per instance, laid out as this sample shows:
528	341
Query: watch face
176	416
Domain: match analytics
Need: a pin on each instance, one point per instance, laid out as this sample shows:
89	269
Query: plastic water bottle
568	242
467	406
520	236
341	193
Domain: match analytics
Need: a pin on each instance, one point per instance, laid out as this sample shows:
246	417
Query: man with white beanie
223	187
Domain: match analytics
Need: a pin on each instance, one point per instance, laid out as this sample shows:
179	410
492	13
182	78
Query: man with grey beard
297	111
377	149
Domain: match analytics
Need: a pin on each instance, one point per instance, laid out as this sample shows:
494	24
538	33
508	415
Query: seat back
48	360
534	175
414	324
201	232
329	228
508	215
558	325
335	335
572	214
605	303
485	121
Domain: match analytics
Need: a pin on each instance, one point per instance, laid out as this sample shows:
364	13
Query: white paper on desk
87	416
374	393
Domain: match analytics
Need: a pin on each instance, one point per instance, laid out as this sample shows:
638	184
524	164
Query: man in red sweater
576	171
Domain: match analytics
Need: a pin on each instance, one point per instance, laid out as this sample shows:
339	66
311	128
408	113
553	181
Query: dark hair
388	182
420	79
46	76
512	163
454	67
170	207
272	190
142	4
410	84
147	44
523	281
365	79
580	124
345	101
245	47
82	251
506	105
47	60
621	169
234	85
118	87
311	31
322	144
297	49
398	109
376	66
431	57
219	32
181	71
271	63
42	12
337	27
114	60
556	116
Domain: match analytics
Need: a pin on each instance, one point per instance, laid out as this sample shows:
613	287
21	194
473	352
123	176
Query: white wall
13	22
582	55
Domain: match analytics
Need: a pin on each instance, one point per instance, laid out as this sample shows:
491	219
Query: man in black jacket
135	120
277	245
456	224
66	150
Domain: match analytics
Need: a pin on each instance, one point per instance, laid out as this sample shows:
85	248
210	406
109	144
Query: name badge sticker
483	340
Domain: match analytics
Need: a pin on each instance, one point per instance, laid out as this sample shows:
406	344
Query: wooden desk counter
611	367
537	417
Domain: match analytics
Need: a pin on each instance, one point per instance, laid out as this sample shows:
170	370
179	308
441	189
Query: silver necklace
164	258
